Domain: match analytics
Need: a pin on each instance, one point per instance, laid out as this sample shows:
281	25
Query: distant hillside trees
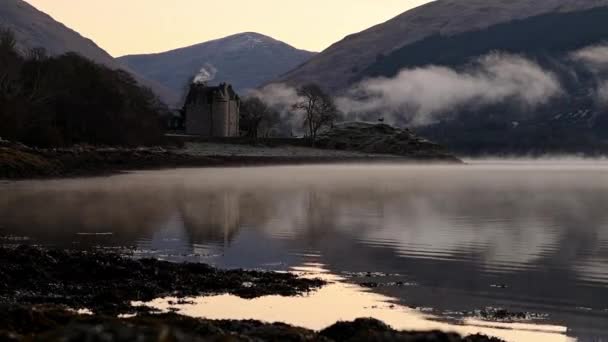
10	64
64	100
318	107
257	117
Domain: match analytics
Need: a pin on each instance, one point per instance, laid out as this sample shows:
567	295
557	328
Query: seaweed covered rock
368	329
382	139
107	282
48	323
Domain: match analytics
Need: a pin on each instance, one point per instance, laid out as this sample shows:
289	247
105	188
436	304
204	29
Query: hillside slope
340	65
576	121
246	60
35	29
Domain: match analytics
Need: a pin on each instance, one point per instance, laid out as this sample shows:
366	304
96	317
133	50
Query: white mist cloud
602	93
422	94
594	57
276	95
281	98
205	74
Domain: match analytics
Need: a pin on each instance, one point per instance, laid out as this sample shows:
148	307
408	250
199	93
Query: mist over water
520	235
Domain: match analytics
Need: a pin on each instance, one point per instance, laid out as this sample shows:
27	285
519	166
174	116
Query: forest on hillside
65	100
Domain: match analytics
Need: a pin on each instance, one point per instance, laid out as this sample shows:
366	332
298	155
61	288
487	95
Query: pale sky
145	26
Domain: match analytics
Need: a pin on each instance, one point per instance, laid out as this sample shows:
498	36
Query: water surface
445	240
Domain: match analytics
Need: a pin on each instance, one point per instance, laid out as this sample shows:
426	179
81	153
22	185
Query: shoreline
22	163
106	282
42	290
55	323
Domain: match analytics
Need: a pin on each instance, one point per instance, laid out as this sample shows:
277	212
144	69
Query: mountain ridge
34	28
247	60
335	67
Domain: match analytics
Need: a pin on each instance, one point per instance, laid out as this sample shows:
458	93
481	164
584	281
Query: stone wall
212	111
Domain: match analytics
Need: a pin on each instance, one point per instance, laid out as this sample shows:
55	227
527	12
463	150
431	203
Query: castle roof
201	92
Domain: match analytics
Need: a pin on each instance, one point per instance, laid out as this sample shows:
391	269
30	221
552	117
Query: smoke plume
422	94
205	74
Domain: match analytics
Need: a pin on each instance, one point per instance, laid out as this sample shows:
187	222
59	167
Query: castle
212	111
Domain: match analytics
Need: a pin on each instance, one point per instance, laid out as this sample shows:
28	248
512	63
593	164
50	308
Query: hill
35	29
481	77
343	63
245	60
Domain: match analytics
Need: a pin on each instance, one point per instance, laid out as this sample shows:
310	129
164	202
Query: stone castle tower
212	111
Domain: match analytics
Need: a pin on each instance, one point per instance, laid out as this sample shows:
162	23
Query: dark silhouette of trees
257	118
10	64
318	107
68	99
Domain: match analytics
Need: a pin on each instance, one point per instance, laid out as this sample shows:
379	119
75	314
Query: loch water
439	244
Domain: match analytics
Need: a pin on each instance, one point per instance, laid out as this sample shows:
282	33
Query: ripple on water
540	229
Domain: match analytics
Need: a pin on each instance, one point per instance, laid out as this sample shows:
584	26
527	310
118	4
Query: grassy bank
21	162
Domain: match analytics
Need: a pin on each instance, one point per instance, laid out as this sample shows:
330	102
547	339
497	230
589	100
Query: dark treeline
68	99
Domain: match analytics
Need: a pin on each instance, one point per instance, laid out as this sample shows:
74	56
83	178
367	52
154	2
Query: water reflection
530	237
341	301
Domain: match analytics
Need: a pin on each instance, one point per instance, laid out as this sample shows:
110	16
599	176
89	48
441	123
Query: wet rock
108	282
372	284
47	323
502	314
499	314
370	274
374	330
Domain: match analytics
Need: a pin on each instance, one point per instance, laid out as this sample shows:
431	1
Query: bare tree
318	107
255	114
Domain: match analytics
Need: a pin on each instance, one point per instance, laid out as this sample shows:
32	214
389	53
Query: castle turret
212	111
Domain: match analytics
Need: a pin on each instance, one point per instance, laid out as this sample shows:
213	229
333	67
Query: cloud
423	94
602	93
282	97
276	95
595	57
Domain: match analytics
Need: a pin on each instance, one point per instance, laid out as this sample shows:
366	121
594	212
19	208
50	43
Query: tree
318	107
10	63
68	99
256	115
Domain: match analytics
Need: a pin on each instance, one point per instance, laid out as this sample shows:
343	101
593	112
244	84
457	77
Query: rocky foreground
107	283
53	323
41	289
